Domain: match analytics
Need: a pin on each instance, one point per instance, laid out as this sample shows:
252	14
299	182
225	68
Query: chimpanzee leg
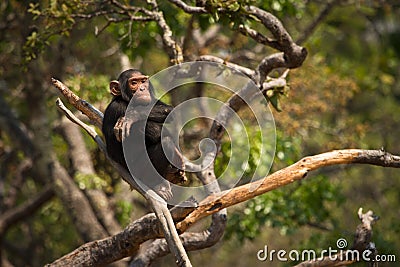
175	169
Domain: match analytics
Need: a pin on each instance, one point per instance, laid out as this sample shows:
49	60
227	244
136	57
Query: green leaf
274	100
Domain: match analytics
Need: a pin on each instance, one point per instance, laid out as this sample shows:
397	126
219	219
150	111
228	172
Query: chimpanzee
133	86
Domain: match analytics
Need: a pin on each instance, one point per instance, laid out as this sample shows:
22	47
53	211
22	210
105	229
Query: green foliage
90	181
48	234
352	38
93	88
56	238
222	159
275	95
123	211
244	166
288	149
230	7
283	8
56	18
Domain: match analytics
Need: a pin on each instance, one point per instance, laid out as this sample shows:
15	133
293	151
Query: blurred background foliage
346	95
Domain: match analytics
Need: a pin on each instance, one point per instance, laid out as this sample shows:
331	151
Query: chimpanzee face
138	85
133	85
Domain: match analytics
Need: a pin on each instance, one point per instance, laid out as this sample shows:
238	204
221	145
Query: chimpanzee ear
114	88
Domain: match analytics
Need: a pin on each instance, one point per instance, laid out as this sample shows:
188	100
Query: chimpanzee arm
112	114
159	112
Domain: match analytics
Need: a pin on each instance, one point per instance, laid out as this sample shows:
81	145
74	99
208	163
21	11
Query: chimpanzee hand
123	127
118	129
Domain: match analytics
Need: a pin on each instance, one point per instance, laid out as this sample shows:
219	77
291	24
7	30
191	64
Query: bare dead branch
121	245
246	71
95	117
93	114
124	174
292	56
170	233
191	241
288	175
272	83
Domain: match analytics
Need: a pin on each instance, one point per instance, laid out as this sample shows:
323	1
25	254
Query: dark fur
116	109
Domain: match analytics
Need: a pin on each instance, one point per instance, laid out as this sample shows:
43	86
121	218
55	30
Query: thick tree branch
285	176
190	240
258	37
171	46
121	245
274	25
292	55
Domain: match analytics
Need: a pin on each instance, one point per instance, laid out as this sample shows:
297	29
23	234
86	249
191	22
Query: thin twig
188	9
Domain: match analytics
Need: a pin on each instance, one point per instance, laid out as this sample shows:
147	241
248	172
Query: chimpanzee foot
164	191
